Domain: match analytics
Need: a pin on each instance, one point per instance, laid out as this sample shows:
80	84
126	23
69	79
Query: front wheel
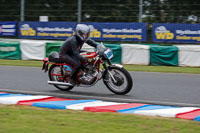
55	75
118	80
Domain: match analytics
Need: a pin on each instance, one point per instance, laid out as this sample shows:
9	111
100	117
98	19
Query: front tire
55	75
123	82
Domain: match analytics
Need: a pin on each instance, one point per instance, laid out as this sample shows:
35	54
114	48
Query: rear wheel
118	80
55	75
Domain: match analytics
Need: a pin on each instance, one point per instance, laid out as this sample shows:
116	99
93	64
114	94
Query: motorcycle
114	76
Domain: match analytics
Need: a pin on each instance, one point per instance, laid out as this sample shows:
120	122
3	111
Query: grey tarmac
149	87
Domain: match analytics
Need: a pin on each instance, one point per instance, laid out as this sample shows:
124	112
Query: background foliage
159	11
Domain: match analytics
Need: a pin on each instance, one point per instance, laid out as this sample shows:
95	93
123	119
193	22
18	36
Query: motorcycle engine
90	75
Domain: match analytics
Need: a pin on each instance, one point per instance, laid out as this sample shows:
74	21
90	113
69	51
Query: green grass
28	63
27	119
168	69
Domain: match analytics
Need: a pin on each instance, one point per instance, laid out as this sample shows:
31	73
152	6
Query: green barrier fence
52	46
117	51
163	55
10	50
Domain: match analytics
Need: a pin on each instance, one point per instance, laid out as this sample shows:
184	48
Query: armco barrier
117	52
135	54
10	50
52	46
191	113
163	55
189	55
138	54
33	49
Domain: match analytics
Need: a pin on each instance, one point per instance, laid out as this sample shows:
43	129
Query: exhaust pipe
59	83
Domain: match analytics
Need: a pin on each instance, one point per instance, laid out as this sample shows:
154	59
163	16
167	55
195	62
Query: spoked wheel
118	80
55	75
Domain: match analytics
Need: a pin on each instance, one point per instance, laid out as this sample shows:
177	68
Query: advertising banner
7	28
118	31
99	31
177	33
46	30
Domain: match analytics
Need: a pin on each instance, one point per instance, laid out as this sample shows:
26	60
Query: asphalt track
148	87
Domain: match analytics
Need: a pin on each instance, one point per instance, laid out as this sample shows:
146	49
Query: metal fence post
140	10
79	11
22	11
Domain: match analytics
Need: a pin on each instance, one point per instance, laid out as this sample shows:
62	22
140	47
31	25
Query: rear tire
55	69
124	81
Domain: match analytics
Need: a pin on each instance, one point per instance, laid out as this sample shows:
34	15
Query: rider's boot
72	81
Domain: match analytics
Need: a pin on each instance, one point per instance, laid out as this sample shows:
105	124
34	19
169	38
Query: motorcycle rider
70	50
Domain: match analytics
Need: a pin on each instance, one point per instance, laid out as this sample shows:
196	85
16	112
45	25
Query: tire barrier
92	105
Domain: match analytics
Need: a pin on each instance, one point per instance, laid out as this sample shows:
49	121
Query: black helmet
82	32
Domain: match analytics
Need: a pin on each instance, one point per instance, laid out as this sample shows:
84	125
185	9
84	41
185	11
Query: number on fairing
108	53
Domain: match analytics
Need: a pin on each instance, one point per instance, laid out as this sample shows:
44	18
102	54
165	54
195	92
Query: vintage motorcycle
114	76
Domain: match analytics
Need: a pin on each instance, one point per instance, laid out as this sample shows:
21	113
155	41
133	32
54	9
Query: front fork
107	69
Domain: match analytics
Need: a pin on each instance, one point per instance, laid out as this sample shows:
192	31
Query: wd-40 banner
46	30
118	31
7	28
178	33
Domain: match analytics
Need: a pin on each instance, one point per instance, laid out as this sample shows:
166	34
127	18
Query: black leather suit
70	52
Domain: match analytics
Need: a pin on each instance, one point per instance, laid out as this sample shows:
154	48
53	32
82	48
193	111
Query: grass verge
167	69
27	119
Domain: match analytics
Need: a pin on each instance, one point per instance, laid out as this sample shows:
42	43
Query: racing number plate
108	53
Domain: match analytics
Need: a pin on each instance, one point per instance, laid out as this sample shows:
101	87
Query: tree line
154	11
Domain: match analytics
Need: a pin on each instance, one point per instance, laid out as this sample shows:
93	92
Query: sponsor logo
94	32
26	30
7	49
162	33
10	26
